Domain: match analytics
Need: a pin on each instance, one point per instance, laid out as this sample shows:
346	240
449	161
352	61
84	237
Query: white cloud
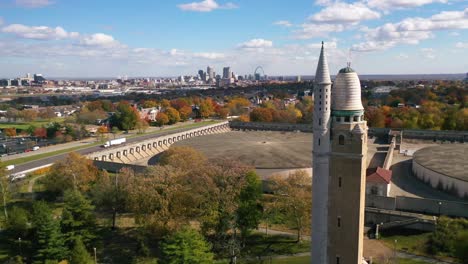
98	39
462	45
340	12
209	55
411	30
205	6
311	30
428	53
256	44
283	23
33	3
399	4
454	34
38	32
402	56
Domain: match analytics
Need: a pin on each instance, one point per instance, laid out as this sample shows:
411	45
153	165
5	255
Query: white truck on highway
114	142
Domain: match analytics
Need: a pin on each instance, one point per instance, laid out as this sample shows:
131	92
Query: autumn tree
141	126
162	119
74	172
185	158
10	132
206	108
29	115
261	115
295	195
173	115
185	112
40	132
238	105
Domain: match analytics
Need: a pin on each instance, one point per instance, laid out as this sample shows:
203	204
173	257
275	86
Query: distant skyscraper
210	72
38	78
298	78
227	73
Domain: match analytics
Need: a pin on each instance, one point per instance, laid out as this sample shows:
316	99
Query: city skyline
87	39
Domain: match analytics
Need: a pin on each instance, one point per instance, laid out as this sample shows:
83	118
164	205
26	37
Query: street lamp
95	256
395	249
440	203
19	241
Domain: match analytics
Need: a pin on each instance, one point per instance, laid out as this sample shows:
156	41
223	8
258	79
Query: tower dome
346	93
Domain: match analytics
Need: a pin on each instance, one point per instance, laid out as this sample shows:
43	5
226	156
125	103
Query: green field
412	242
26	125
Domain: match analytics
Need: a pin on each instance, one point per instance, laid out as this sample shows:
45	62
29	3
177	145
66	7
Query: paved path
32	182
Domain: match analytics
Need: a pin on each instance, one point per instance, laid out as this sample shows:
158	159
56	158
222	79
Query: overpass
131	152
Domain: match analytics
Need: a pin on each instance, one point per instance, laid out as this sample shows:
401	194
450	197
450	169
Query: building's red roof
379	175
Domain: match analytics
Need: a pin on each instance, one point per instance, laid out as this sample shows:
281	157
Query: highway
52	159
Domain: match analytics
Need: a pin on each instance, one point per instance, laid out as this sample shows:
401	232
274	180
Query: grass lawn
411	261
410	241
292	260
26	125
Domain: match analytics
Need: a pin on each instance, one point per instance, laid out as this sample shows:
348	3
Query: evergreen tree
186	246
79	255
49	241
18	222
77	217
250	209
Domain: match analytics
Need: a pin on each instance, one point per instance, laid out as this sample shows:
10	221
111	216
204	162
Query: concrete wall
389	158
441	181
418	205
117	167
131	152
382	189
270	126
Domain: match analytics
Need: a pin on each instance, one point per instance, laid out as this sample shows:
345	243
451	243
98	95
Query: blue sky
89	38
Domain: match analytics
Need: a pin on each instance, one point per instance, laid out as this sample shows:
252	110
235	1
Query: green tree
77	217
18	222
48	240
4	190
125	117
79	254
294	199
186	246
461	247
249	212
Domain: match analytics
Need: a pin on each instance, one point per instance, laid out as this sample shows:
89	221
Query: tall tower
346	189
321	149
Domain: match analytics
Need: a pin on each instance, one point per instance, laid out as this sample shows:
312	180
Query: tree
111	194
29	115
48	240
186	246
125	117
222	112
206	108
141	126
185	158
10	132
173	115
5	190
40	132
79	254
162	119
261	115
185	112
77	217
74	172
18	222
295	195
461	247
47	113
249	212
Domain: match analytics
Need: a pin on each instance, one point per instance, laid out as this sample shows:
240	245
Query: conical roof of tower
322	75
346	92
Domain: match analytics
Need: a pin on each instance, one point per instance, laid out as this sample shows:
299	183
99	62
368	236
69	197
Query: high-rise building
210	72
38	78
227	72
340	144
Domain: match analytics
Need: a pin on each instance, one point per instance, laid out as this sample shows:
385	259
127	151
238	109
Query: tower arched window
341	140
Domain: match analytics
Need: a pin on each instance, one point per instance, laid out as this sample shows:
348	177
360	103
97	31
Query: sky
110	38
